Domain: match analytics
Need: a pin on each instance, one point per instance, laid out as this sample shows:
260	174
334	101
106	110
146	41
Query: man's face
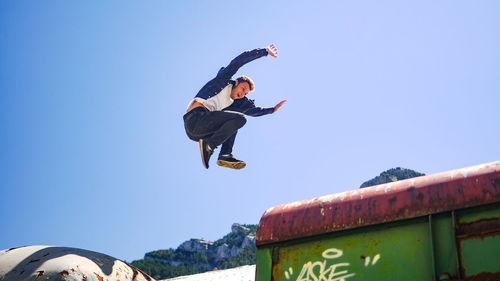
240	90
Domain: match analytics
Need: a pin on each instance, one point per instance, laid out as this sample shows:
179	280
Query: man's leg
215	126
226	124
227	146
226	159
212	129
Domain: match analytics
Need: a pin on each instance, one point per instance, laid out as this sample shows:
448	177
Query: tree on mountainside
159	270
392	175
247	257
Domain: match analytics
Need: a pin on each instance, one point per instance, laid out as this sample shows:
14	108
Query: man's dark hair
247	79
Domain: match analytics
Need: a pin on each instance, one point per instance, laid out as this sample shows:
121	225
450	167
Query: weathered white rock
62	263
238	228
222	252
248	241
217	251
236	251
196	245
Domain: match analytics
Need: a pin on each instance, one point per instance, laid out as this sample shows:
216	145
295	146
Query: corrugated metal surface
458	189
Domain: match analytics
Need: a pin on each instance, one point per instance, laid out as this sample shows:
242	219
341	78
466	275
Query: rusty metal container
438	227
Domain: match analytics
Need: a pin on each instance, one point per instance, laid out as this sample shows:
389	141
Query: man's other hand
272	50
278	106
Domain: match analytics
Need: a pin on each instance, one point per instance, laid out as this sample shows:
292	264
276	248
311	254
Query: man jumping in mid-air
217	112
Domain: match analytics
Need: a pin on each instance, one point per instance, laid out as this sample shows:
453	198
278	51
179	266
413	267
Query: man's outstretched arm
247	107
244	58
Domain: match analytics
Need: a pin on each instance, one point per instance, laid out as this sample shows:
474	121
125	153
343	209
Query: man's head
243	86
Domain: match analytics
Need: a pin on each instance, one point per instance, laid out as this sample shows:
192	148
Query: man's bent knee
242	120
238	118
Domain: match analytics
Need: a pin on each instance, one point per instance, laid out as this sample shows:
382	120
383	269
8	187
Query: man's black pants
214	127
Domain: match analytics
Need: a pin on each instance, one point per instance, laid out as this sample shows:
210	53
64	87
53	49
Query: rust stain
479	229
275	262
40	273
485	276
137	271
98	276
64	272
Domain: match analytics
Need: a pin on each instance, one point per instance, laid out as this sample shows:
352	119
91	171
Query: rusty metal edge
421	196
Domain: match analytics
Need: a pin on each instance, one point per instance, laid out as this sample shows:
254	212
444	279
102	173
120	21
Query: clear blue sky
93	152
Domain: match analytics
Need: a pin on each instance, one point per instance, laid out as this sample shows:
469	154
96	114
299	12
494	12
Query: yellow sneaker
229	161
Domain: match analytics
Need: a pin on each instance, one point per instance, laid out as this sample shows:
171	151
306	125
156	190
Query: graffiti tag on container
326	270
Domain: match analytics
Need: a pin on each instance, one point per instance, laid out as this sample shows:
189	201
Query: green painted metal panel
264	264
444	245
397	252
481	255
478	238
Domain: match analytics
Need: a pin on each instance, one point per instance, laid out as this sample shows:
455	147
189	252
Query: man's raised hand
272	50
278	106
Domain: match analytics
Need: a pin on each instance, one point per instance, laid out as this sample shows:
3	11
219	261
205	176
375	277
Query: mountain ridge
237	248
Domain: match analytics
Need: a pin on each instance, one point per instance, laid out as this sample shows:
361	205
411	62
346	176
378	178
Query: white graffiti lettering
325	271
332	253
373	262
321	271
